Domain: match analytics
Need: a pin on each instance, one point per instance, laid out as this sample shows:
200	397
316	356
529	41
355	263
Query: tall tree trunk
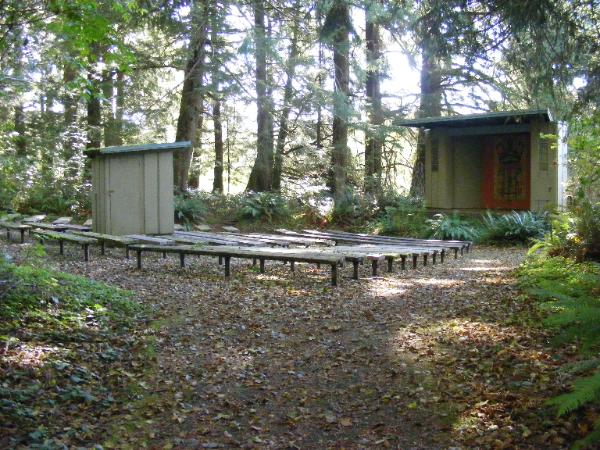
215	64
94	114
261	176
112	87
70	124
430	102
218	133
20	128
190	106
373	142
288	94
340	156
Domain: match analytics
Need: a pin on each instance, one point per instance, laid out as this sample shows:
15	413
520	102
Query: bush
407	217
574	234
452	227
188	210
353	209
264	207
570	293
515	227
588	227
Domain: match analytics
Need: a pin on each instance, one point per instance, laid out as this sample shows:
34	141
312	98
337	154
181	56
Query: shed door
126	195
506	169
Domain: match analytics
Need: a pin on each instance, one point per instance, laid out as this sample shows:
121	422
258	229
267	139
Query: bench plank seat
85	242
122	241
228	252
391	239
220	238
150	239
49	226
12	226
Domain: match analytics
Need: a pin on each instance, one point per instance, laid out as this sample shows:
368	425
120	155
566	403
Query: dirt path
427	358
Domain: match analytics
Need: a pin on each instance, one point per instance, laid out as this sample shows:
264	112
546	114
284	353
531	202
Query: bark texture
288	94
340	156
218	134
190	106
431	95
261	177
374	141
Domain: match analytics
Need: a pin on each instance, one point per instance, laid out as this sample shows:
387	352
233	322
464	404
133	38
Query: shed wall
457	182
133	193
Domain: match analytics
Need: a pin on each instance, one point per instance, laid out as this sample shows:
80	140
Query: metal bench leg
403	259
433	257
390	262
293	266
22	236
139	258
86	252
425	255
455	253
415	256
262	265
355	270
182	259
127	251
374	267
164	255
334	269
61	247
253	262
220	260
227	266
442	255
102	248
462	250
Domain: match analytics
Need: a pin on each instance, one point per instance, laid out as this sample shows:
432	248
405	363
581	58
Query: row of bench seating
373	250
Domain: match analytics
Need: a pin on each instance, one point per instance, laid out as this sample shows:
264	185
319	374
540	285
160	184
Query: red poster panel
506	172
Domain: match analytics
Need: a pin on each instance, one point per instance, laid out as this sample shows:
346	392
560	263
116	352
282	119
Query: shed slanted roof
469	120
141	148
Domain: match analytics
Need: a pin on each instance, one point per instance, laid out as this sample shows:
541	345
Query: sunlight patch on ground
26	355
440	282
486	269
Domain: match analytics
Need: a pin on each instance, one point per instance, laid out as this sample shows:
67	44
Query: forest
295	112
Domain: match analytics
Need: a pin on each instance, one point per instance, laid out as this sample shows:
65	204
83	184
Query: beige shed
510	160
132	188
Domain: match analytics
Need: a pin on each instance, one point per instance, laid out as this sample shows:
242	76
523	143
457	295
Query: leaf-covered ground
443	356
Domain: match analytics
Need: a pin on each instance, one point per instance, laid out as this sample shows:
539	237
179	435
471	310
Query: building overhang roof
141	148
470	120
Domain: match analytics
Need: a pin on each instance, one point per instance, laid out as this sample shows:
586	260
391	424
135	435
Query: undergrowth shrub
264	207
407	217
353	209
513	228
189	209
569	292
453	226
575	234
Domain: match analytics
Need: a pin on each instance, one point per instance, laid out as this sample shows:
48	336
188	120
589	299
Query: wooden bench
50	226
121	241
245	253
361	237
85	242
11	226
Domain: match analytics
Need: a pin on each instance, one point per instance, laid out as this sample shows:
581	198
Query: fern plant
515	227
452	227
570	293
264	206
